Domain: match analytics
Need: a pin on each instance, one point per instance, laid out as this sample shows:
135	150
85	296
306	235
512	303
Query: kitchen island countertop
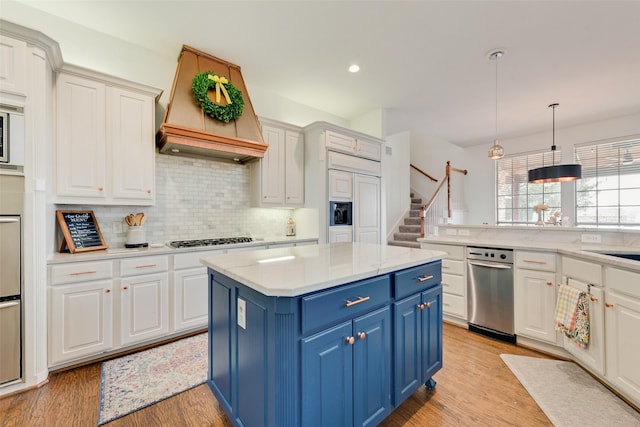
294	271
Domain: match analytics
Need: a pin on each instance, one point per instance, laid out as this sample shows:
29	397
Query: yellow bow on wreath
220	82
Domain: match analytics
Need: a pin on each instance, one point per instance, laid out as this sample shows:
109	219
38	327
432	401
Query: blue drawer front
415	279
346	302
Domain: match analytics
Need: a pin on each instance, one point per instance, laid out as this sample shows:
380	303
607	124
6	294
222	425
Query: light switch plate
242	313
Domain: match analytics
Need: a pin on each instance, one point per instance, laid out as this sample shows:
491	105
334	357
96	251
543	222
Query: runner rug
568	395
138	380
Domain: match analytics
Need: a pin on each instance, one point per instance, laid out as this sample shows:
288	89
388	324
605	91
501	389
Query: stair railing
430	203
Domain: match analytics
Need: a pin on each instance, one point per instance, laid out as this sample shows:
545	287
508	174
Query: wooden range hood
186	130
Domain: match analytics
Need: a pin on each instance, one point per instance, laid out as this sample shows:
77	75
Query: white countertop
299	270
564	241
163	249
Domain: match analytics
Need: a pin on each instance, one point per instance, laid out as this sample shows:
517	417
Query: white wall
431	154
480	187
371	123
395	178
100	52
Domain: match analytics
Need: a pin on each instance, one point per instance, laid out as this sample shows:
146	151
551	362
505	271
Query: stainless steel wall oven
11	209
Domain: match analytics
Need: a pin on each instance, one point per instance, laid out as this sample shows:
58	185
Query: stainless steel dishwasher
490	292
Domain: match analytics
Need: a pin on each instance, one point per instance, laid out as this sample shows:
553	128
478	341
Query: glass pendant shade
496	151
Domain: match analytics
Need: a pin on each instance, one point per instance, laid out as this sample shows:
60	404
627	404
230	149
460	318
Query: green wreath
201	84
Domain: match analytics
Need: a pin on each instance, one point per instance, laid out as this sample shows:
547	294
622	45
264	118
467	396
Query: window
609	192
516	197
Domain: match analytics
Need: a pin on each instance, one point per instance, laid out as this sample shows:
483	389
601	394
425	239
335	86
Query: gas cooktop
209	242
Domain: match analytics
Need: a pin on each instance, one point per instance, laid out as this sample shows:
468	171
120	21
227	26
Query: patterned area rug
568	395
135	381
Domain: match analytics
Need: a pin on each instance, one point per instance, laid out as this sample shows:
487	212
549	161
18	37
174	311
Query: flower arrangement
540	207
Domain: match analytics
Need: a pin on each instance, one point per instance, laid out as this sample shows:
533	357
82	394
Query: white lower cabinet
80	310
144	308
622	320
454	281
80	320
535	295
190	291
144	298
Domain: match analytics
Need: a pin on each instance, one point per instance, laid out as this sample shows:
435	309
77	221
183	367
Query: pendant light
555	173
496	151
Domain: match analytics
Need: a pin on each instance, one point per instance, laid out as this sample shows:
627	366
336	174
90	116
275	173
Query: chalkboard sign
80	231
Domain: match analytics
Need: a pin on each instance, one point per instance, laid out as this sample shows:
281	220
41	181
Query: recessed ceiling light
354	68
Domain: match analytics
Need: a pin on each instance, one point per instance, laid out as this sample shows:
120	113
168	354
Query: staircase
410	231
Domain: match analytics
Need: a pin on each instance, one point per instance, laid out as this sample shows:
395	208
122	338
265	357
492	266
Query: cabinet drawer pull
146	266
78	273
594	299
362	335
608	304
445	267
445	284
534	261
446	303
351	340
358	301
424	278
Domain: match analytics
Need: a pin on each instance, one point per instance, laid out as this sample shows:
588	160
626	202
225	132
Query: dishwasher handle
498	266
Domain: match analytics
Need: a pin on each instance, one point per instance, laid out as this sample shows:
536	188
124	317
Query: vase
540	219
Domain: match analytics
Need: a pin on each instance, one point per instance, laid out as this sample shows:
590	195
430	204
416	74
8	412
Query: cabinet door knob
549	283
351	340
107	290
362	335
125	287
594	299
420	306
427	304
100	188
608	304
148	190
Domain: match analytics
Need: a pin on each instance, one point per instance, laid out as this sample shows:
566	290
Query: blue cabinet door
407	348
372	367
327	378
431	332
220	344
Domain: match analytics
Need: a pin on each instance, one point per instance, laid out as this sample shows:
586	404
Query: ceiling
424	61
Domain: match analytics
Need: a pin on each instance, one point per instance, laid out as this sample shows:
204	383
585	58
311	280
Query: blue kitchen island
322	335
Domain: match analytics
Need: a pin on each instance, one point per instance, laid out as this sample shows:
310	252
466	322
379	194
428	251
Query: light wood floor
475	388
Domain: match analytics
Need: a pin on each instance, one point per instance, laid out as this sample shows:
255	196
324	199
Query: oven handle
8	220
498	266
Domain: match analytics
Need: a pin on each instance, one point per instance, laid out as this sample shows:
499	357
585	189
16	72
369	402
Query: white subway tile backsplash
195	198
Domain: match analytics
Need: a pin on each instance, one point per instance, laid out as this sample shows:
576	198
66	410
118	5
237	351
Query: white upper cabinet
277	180
13	56
105	148
355	146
